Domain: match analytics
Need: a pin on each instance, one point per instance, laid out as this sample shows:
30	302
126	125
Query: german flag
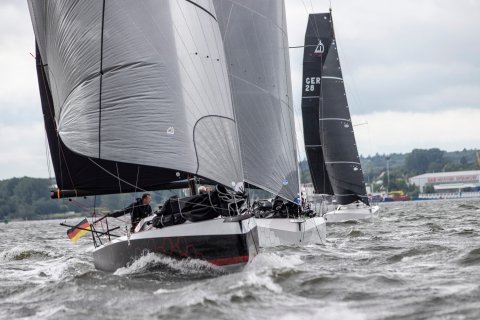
79	230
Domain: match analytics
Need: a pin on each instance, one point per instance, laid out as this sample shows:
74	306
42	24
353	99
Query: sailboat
329	138
136	97
255	39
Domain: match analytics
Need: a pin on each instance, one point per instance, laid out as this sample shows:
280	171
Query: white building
454	181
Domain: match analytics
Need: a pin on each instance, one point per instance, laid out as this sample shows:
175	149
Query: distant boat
256	45
396	196
329	138
136	97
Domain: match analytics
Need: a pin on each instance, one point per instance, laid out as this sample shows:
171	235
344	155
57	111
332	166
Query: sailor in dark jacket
138	210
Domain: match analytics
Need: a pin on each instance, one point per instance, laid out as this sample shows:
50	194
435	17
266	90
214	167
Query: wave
154	262
355	233
472	258
468	206
433	227
412	252
222	291
270	260
22	253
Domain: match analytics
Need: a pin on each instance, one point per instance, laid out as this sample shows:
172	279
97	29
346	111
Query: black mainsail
329	138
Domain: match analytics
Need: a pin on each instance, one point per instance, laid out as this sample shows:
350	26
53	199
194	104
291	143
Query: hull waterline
348	213
227	244
284	231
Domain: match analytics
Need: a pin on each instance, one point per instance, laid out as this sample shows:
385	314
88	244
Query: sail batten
140	88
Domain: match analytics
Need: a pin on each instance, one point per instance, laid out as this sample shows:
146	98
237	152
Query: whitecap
184	266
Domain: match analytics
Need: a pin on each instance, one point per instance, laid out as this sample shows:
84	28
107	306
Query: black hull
228	250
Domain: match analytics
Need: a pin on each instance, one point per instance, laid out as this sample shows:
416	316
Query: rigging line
315	27
47	155
113	175
94	206
203	205
228	22
118	175
101	84
136	181
308	18
304	46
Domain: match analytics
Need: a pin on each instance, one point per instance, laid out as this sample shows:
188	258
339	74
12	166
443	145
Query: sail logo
284	182
319	49
171	131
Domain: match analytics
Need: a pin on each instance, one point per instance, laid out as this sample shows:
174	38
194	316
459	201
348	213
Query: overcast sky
411	71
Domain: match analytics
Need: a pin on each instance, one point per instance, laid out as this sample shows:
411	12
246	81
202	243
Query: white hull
351	213
284	231
217	241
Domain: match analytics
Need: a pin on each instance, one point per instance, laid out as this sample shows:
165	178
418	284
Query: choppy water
419	260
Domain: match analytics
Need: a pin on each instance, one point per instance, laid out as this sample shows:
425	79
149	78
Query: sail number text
310	83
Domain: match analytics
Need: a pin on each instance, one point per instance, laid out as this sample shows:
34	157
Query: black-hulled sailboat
329	138
135	97
256	45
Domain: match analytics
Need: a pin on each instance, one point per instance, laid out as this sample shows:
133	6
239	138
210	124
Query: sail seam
351	162
335	78
334	119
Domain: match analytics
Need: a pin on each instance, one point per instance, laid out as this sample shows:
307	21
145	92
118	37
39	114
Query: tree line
404	166
29	198
419	161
